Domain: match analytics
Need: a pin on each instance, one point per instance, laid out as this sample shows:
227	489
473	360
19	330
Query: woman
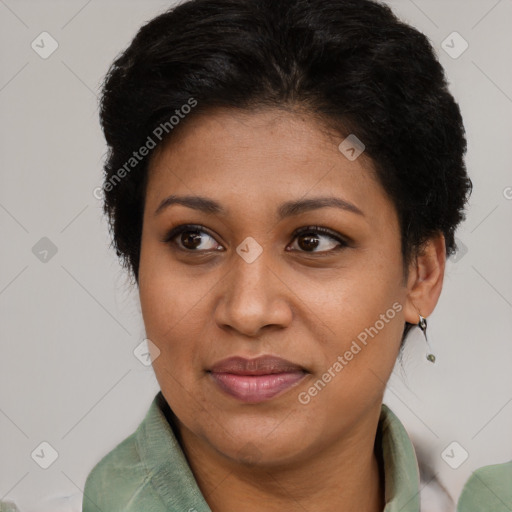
284	182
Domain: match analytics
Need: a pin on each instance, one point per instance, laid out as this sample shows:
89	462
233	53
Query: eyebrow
287	209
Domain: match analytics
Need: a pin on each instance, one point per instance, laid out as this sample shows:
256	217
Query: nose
253	297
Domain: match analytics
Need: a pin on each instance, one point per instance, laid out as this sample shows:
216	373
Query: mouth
256	380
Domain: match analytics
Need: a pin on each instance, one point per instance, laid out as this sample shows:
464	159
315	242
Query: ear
425	280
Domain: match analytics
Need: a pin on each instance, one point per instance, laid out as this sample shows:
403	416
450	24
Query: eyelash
178	230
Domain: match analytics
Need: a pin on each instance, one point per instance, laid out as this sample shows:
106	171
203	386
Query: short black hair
351	63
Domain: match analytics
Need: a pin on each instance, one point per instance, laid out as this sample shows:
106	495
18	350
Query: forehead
264	156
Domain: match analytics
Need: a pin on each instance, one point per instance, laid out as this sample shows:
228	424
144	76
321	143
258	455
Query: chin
256	447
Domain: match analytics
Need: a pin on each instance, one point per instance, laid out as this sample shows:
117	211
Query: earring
423	326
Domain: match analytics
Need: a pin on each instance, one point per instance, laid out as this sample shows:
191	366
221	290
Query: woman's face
241	282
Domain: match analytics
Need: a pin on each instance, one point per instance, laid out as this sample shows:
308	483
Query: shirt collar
401	472
172	479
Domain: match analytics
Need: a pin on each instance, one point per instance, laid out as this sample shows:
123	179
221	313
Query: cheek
357	363
177	317
172	316
347	300
168	297
356	315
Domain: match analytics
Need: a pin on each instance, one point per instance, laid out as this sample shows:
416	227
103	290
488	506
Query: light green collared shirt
488	489
149	472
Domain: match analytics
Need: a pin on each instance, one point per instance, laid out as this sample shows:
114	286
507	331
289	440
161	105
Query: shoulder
147	471
489	488
121	481
113	481
411	465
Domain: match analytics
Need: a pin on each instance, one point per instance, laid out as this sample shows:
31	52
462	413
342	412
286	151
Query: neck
346	476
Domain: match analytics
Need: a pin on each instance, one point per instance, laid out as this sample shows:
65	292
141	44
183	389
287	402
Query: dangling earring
423	326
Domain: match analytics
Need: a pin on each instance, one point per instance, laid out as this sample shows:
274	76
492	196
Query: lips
256	380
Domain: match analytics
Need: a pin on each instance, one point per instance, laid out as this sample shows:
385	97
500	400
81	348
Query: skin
305	303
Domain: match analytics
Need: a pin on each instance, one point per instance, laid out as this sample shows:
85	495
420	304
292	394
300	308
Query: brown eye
191	238
312	238
308	242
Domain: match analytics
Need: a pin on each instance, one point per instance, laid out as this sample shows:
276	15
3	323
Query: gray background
70	323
